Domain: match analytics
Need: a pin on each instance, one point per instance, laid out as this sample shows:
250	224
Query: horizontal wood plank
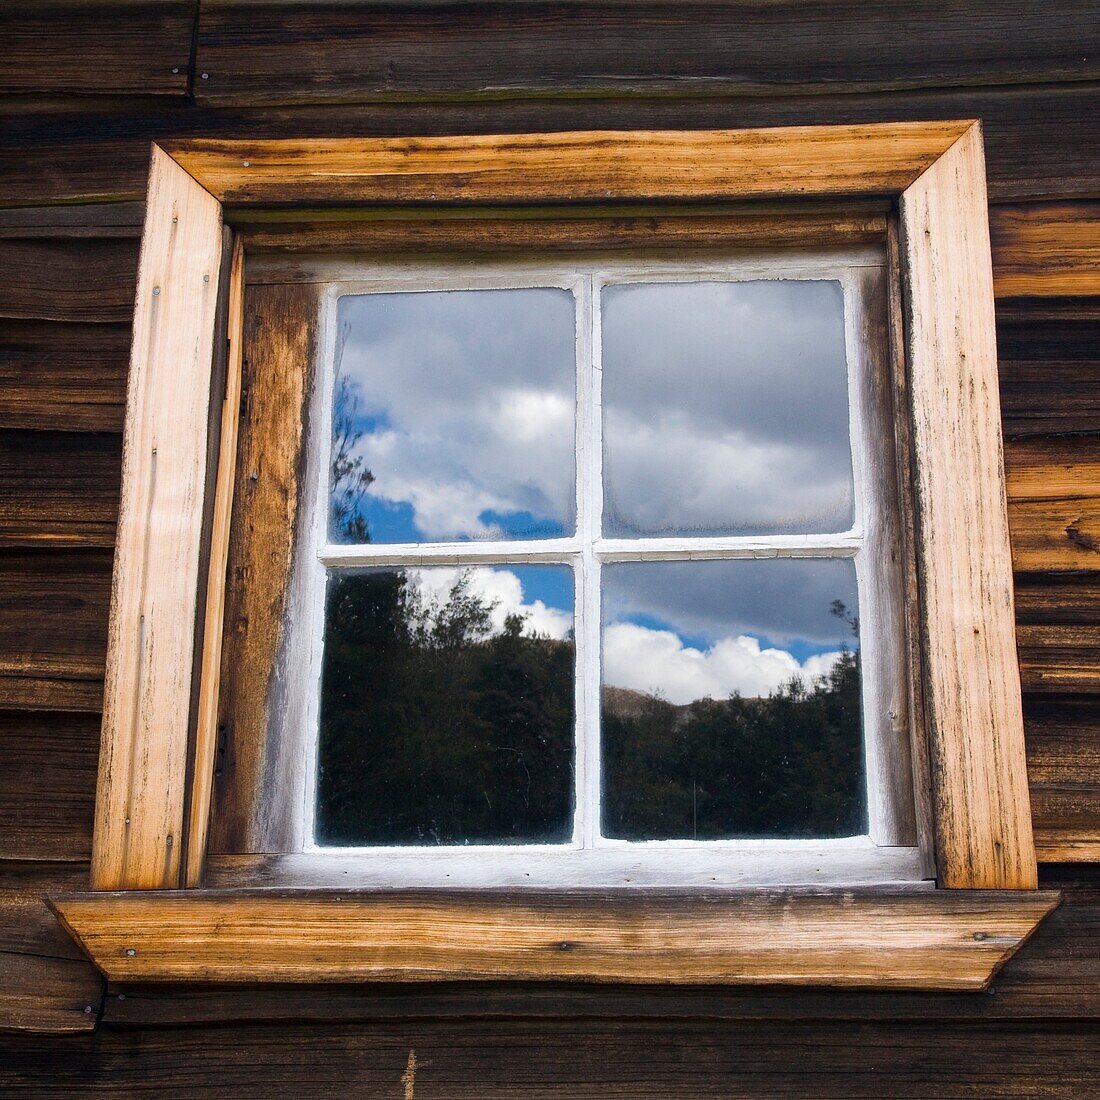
120	47
45	986
53	613
102	151
1035	984
577	166
58	489
950	940
1046	249
47	785
1058	633
252	52
59	376
1063	763
374	233
567	1059
1058	535
83	279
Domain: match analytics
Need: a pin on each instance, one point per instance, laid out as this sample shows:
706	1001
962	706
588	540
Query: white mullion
589	519
449	553
845	544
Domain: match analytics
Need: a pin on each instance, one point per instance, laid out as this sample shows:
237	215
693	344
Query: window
573	509
162	908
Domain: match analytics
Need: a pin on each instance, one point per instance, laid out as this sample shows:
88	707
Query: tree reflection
434	728
786	765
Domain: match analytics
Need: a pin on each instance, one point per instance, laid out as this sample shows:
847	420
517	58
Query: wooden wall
84	88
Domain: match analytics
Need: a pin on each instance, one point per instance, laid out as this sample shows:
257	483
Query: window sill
948	940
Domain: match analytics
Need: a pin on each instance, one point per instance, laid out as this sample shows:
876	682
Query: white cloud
498	587
657	661
475	398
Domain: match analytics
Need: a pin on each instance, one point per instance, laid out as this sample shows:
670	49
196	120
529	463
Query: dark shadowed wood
575	1059
113	48
106	219
279	347
1058	632
90	155
1063	739
47	785
253	53
1046	396
63	377
72	280
942	939
58	488
44	985
383	233
53	627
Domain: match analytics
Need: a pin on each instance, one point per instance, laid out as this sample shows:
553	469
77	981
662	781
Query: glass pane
731	700
453	416
447	707
725	409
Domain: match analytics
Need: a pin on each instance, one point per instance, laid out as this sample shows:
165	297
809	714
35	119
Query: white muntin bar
368	555
844	545
590	518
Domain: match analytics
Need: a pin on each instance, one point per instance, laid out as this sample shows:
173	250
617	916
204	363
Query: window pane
725	409
731	700
447	706
453	416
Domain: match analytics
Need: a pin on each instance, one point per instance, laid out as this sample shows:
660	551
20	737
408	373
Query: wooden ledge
935	940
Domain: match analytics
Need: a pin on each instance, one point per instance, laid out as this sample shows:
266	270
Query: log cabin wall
85	87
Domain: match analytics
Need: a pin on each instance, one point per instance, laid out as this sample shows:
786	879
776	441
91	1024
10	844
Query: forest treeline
438	729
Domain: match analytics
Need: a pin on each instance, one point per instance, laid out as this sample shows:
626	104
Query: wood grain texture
206	721
83	279
147	693
566	1059
972	681
62	376
58	489
53	624
279	346
45	986
1059	635
252	52
371	232
99	150
116	48
583	166
1046	249
1056	535
47	785
948	940
1035	984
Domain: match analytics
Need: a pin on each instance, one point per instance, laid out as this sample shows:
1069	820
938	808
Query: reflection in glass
731	700
725	409
447	707
453	416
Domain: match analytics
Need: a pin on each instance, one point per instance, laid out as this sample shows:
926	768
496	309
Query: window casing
160	739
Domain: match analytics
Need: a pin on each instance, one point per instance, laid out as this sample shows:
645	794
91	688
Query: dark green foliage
789	765
434	730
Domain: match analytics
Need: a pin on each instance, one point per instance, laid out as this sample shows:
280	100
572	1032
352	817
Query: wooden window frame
146	919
